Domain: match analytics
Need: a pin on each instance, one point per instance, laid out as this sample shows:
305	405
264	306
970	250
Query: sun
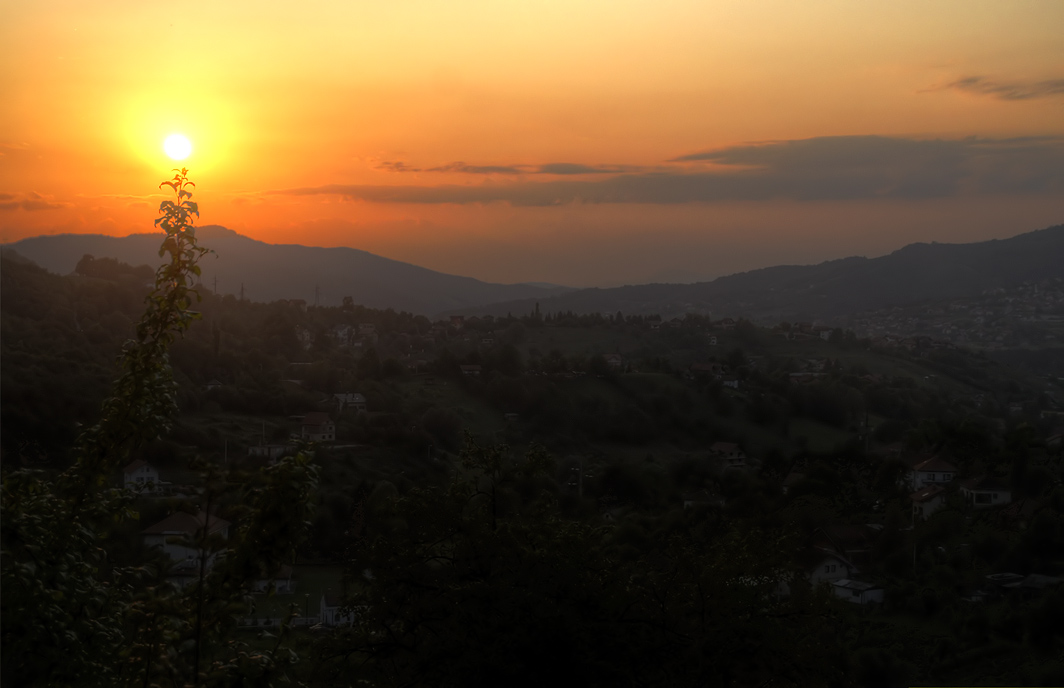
177	146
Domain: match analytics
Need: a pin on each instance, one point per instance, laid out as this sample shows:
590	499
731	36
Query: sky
579	143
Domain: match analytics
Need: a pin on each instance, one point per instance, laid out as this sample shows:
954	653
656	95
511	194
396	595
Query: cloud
476	169
553	168
1008	90
31	201
818	169
565	168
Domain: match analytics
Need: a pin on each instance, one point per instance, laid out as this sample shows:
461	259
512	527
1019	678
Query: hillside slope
286	271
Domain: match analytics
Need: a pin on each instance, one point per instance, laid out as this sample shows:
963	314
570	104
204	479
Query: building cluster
1031	314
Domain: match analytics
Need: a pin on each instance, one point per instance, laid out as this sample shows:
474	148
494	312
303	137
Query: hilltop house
730	453
351	400
986	491
185	525
317	427
927	500
932	471
141	476
329	613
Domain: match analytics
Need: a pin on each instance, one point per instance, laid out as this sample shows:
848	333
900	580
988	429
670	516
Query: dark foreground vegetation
526	500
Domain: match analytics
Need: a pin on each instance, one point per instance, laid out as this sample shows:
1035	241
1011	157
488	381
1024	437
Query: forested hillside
642	501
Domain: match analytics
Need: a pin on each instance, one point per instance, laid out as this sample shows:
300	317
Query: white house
933	471
330	614
181	525
730	453
317	427
351	400
857	592
141	476
986	491
928	500
827	567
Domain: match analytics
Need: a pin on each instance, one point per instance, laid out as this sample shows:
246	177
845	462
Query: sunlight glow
177	146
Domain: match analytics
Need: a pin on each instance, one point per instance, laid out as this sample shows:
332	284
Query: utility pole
241	291
316	291
216	285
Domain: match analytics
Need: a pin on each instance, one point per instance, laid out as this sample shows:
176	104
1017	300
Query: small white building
857	592
928	500
933	471
141	476
330	613
730	453
352	400
827	567
317	427
983	492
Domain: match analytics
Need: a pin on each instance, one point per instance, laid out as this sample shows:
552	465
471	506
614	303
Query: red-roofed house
317	427
928	500
933	471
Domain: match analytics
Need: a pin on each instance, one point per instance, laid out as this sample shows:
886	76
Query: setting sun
177	146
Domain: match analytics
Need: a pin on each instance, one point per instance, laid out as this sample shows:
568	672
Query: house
986	491
141	476
317	427
366	329
826	567
614	361
279	582
857	592
730	381
457	321
330	613
168	532
213	385
932	471
732	455
470	370
351	400
927	500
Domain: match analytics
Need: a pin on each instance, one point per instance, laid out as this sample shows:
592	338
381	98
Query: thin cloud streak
1008	90
818	169
553	168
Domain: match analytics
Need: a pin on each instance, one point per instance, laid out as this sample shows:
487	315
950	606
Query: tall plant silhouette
72	618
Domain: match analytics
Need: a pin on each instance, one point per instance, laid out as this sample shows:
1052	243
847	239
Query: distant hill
917	272
286	271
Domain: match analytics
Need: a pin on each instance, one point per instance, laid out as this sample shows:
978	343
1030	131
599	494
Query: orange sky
588	143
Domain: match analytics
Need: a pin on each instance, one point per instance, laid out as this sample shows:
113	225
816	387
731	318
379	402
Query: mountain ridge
829	289
268	272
